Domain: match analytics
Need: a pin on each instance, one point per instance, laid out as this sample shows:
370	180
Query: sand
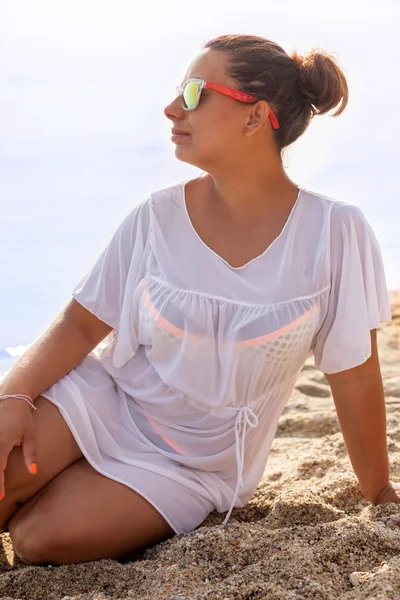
307	532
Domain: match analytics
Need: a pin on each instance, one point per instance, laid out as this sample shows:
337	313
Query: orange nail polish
1	496
34	468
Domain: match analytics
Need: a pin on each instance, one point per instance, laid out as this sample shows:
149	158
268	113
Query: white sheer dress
181	401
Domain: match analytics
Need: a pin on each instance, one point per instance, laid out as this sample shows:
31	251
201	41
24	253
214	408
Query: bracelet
27	399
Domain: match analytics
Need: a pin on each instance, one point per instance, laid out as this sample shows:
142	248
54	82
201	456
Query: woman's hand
16	429
388	494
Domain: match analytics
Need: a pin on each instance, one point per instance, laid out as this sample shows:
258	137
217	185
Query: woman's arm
73	334
360	405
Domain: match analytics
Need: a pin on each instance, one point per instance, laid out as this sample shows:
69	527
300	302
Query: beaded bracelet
27	399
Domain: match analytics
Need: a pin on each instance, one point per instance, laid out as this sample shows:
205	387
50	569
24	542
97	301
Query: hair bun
322	81
296	87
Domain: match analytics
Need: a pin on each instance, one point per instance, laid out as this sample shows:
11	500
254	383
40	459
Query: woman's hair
296	87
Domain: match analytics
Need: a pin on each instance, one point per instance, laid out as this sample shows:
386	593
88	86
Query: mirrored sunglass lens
190	94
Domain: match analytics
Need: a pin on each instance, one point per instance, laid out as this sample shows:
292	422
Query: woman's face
213	132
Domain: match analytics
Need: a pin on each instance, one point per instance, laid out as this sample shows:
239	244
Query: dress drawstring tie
244	417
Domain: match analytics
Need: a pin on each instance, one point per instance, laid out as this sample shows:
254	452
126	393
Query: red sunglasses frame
226	91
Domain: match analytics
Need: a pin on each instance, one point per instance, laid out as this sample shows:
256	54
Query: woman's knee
25	543
35	541
7	509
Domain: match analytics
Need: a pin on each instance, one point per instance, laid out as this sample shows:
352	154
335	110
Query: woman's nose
174	109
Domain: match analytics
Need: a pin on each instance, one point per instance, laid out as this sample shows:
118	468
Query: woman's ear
256	117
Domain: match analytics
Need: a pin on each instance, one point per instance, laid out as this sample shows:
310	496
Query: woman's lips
178	136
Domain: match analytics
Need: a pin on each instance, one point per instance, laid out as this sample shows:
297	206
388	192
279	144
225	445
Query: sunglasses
190	93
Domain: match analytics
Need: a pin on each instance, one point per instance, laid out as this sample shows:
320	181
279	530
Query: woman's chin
185	155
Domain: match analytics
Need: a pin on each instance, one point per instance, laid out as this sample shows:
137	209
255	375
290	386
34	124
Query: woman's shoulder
332	215
335	208
347	232
168	193
167	201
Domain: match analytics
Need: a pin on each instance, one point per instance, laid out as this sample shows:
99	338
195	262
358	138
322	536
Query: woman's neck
246	193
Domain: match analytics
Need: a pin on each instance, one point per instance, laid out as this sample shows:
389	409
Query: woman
210	296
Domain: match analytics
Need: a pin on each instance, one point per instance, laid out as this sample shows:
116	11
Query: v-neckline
259	256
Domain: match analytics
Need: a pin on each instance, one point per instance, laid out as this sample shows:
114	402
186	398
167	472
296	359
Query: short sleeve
102	290
358	298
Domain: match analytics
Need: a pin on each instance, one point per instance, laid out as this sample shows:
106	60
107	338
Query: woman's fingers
388	494
17	428
29	452
4	453
29	449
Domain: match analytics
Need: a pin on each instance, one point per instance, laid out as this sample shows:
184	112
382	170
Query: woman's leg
82	515
56	449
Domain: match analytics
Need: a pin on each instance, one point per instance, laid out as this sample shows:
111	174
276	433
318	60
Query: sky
83	136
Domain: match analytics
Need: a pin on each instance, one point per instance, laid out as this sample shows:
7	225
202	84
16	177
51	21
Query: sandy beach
307	532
